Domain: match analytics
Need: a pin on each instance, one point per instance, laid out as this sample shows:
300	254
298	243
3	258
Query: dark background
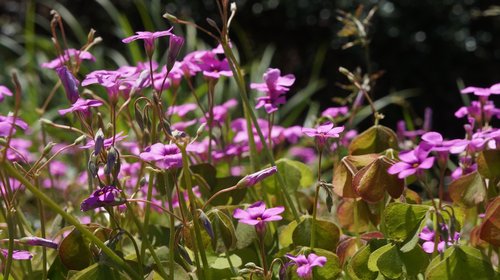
428	45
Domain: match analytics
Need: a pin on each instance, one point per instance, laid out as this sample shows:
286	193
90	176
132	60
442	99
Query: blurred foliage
429	45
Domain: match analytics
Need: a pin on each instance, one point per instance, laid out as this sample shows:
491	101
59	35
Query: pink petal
427	163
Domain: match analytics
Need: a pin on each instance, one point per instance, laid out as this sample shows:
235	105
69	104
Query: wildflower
81	105
414	161
6	123
185	195
254	178
17	254
275	86
482	92
106	196
149	39
428	236
305	265
69	82
478	111
323	132
220	112
181	110
77	55
257	215
166	156
334	112
214	68
4	91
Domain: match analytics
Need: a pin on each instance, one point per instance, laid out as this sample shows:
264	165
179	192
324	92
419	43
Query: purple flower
334	112
323	132
166	156
149	39
106	196
69	82
17	254
482	92
214	68
4	91
6	123
477	110
428	235
304	154
305	265
257	215
81	105
220	112
77	55
414	161
254	178
275	86
181	110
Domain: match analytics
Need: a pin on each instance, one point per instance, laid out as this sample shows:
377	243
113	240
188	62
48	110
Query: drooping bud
48	148
174	48
206	223
106	196
69	82
113	158
37	241
254	178
99	141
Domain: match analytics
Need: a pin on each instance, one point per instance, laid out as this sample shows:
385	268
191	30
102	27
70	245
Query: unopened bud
99	141
174	48
69	82
80	140
48	148
170	17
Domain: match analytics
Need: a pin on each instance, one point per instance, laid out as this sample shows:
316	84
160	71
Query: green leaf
224	231
372	260
488	164
74	251
297	175
57	270
415	261
285	235
327	234
468	190
330	270
357	267
402	221
179	272
376	139
490	228
221	267
373	180
460	262
97	272
245	235
390	263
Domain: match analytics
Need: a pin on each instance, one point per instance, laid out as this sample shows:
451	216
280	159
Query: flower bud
38	241
254	178
174	48
99	141
206	224
69	82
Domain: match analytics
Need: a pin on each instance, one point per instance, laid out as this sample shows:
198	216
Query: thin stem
69	218
263	255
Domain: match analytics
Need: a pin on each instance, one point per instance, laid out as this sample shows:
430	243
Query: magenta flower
412	162
166	156
81	105
323	132
75	55
257	215
185	195
6	123
477	110
17	254
427	235
106	196
334	112
37	241
149	39
254	178
220	112
482	92
305	265
181	110
275	86
4	91
213	68
69	82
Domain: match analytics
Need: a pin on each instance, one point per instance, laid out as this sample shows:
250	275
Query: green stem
56	208
171	242
315	205
42	229
10	228
244	97
192	204
147	211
